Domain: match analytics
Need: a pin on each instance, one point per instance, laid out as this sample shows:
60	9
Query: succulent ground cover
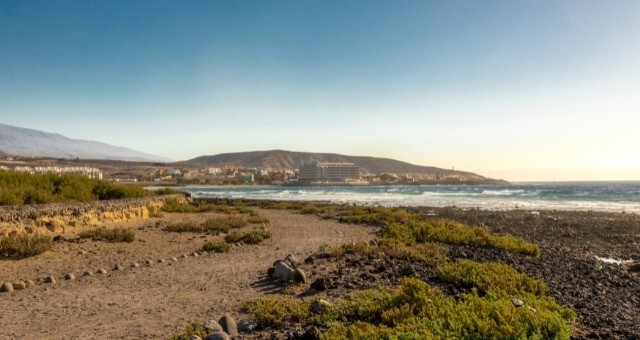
480	299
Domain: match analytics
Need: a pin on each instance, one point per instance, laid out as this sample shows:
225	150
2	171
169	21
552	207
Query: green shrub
415	310
174	206
273	312
490	276
252	237
455	233
167	191
218	247
194	328
23	188
224	224
25	245
117	234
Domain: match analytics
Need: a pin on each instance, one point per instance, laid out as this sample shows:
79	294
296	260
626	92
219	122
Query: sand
158	300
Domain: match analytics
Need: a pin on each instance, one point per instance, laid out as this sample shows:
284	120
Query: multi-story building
328	172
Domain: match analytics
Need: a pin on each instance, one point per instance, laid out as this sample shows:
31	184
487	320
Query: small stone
135	265
20	285
50	279
195	254
174	259
373	242
228	325
299	276
6	287
69	276
212	326
87	273
292	260
246	326
309	260
148	262
101	271
217	336
517	303
195	337
185	256
82	252
320	284
30	283
118	267
160	260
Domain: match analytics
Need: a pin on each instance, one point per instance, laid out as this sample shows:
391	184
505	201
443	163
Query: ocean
597	196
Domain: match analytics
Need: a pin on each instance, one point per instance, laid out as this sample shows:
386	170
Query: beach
161	296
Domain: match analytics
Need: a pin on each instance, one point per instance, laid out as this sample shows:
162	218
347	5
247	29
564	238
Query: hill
280	159
34	143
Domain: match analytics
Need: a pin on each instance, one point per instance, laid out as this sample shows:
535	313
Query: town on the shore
166	174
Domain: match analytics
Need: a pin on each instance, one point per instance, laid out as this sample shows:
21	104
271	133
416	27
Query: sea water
597	196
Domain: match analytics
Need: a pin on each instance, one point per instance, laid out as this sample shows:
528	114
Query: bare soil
156	300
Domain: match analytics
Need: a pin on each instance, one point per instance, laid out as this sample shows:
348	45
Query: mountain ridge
19	141
283	159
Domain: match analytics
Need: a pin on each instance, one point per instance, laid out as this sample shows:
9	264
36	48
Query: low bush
252	237
414	310
224	224
455	233
193	329
490	276
25	245
117	234
218	247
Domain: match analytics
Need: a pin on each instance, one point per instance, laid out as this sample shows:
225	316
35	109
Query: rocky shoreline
605	296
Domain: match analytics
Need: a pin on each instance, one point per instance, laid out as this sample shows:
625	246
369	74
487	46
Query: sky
517	90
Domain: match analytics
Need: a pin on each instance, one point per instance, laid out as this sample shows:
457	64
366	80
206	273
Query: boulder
284	272
291	260
217	336
320	284
246	326
299	276
212	326
228	325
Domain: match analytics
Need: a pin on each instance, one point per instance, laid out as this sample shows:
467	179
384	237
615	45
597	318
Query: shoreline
606	297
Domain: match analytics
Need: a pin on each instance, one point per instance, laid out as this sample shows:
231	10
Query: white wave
505	192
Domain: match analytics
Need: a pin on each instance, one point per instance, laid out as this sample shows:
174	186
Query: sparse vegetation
194	328
414	310
252	237
117	234
218	247
184	227
25	245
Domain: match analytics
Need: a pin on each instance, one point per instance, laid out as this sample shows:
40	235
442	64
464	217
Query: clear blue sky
520	90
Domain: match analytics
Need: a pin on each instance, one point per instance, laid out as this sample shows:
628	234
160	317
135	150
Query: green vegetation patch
414	310
194	328
432	253
252	237
117	234
456	233
225	223
490	276
217	247
25	245
22	188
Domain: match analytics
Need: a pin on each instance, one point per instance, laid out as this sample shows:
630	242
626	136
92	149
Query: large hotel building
317	172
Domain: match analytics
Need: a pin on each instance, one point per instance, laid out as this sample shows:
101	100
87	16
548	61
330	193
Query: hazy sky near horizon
520	90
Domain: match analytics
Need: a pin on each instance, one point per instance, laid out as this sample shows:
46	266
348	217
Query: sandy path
158	300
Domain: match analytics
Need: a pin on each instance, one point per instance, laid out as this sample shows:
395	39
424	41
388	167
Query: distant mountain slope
278	159
28	142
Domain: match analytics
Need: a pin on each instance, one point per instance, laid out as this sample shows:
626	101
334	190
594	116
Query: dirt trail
158	300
